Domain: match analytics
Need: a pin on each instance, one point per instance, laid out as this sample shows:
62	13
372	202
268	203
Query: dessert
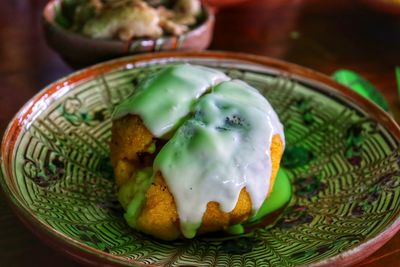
194	152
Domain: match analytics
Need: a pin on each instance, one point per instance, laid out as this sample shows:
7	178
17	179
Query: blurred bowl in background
387	6
80	51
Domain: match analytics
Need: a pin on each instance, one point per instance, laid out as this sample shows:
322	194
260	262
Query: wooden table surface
323	35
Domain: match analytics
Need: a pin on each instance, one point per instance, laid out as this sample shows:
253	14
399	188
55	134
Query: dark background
319	34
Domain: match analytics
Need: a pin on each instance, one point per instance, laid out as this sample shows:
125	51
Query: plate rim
88	255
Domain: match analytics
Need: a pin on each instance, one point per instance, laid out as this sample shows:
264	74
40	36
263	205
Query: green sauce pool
279	197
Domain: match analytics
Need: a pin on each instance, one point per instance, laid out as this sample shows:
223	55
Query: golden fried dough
159	217
130	138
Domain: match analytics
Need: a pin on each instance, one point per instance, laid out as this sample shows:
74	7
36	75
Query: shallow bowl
342	157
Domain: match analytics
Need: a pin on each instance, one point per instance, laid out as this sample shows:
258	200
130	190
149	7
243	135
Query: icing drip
165	99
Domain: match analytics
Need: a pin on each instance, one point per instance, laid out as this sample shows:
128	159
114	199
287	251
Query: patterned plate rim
88	255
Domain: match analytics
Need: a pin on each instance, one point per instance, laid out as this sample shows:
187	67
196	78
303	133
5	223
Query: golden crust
130	138
159	216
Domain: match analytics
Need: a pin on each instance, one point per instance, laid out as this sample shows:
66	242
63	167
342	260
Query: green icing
189	230
236	229
152	148
132	194
165	99
280	196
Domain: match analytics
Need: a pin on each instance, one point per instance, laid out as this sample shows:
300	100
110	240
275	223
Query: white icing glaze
165	99
223	148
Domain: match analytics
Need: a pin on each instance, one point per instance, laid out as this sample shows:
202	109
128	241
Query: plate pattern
343	165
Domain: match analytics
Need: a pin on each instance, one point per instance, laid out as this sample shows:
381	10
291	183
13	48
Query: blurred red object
223	3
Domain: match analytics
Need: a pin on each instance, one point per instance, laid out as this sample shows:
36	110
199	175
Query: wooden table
323	35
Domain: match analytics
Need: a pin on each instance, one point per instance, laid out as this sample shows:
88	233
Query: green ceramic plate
342	157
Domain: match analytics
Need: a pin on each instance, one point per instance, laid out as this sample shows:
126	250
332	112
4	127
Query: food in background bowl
128	19
194	152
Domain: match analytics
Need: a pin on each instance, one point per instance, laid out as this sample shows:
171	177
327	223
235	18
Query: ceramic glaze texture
343	163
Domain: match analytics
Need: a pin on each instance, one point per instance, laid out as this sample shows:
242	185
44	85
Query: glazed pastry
194	152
